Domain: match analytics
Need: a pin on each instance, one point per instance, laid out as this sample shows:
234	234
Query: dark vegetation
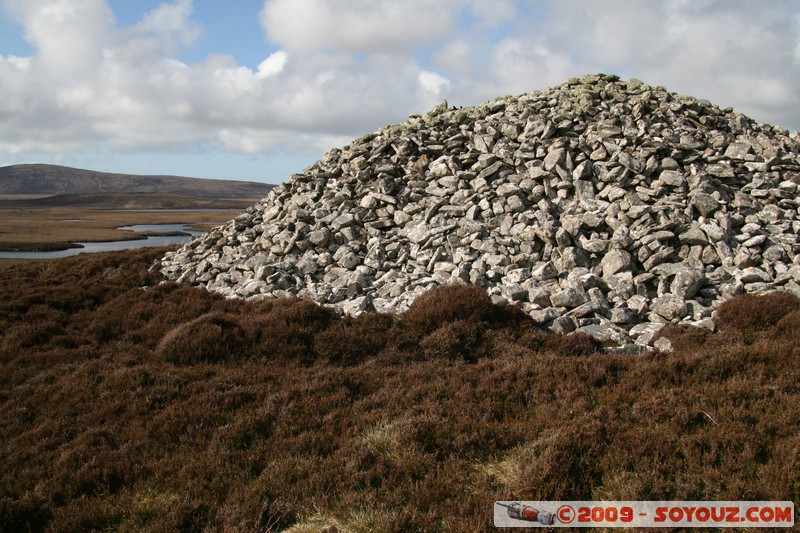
54	179
131	405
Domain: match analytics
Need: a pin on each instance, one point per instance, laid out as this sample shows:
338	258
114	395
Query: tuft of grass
209	338
350	340
684	337
461	339
448	303
575	344
749	314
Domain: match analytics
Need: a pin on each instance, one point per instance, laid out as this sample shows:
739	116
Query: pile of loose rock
605	206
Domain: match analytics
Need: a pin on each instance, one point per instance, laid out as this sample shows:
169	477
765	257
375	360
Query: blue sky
260	89
227	28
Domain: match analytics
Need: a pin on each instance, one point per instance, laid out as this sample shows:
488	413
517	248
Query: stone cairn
604	206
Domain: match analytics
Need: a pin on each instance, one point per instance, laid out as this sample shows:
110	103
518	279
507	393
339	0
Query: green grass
128	404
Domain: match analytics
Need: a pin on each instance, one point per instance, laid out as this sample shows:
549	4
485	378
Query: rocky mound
605	206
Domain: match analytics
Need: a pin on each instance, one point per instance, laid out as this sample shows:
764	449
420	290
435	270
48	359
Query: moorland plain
53	228
47	207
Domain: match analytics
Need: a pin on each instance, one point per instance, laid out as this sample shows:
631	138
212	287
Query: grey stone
369	202
586	309
515	293
400	218
687	283
753	275
626	349
490	171
758	240
705	203
738	151
544	271
515	204
307	266
343	220
349	260
624	315
419	233
669	307
568	298
554	158
644	332
496	260
356	306
319	237
563	325
663	344
720	170
616	261
693	236
621	285
604	333
630	162
595	246
544	316
673	178
584	190
539	296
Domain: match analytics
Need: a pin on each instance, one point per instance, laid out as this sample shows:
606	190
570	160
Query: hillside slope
40	179
127	404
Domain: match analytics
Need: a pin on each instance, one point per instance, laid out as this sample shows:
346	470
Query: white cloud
69	36
493	12
357	25
517	65
456	56
172	19
160	33
134	95
432	83
336	69
433	86
732	52
273	64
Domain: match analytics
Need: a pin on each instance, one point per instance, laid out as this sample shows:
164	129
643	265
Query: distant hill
135	200
43	180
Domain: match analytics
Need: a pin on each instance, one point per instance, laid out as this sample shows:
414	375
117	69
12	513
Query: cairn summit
600	205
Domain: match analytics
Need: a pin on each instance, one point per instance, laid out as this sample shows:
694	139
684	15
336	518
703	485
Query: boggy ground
39	226
130	405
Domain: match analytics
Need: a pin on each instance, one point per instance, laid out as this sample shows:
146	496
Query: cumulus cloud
362	26
732	52
69	36
432	83
335	69
91	84
172	19
493	12
160	34
273	64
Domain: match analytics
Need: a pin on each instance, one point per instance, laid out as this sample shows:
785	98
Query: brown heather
130	405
